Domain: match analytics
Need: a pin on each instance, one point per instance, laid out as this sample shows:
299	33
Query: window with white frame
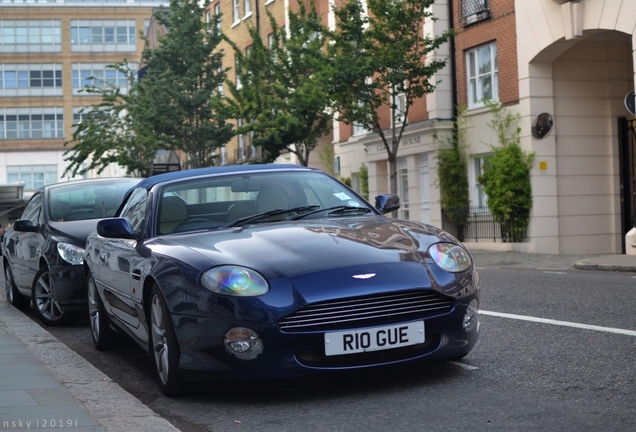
403	188
217	13
98	75
236	74
248	8
103	35
31	123
241	156
34	176
31	79
223	155
480	199
220	86
21	36
236	11
482	70
399	115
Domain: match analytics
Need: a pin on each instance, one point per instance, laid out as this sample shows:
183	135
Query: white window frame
476	78
22	36
236	11
480	199
403	187
400	102
247	4
217	12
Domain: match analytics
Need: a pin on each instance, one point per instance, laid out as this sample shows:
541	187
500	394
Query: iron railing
481	224
474	11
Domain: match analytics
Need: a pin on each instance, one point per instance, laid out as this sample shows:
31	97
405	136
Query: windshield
223	201
84	200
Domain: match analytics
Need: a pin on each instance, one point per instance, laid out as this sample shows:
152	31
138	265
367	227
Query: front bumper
287	355
69	283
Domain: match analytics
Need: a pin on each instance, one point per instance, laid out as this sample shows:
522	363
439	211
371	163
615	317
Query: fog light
471	318
243	343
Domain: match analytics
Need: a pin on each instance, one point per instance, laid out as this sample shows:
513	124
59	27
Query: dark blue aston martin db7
275	271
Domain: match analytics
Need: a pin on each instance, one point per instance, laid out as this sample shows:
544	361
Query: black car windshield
255	197
84	200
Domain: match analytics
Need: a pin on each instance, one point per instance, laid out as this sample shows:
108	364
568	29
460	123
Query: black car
43	252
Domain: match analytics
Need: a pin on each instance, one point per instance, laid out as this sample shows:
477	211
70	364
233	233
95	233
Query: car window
135	209
33	210
86	200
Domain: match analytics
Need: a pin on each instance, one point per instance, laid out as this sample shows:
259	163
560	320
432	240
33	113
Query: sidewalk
487	258
45	385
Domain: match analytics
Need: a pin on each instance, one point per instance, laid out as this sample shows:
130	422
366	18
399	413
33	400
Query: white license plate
374	338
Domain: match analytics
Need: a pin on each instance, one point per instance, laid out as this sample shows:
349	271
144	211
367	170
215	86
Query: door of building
627	158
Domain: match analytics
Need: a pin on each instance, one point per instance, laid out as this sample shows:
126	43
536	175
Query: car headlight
70	253
234	281
451	257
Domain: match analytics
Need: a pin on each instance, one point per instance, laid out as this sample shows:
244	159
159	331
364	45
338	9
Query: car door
120	281
25	248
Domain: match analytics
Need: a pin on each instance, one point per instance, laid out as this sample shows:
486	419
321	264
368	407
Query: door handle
136	274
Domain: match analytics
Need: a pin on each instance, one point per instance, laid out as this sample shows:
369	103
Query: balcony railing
482	225
474	11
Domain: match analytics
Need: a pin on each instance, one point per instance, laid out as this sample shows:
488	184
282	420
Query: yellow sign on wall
543	167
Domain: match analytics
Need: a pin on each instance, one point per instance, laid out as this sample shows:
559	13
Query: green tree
180	90
452	172
112	131
281	96
506	175
379	58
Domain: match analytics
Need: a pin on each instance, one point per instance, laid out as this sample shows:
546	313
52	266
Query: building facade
571	62
49	51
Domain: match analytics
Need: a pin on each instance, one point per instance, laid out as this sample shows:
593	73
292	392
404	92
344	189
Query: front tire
101	332
14	296
164	346
47	308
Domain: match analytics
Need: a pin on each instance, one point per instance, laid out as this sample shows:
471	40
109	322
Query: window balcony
474	11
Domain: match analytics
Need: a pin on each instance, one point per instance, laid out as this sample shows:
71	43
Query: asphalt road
523	375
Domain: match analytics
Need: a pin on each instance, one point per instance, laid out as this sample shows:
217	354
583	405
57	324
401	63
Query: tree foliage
452	172
282	98
181	87
506	175
377	55
111	132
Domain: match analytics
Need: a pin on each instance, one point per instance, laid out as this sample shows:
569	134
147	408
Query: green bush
506	176
452	172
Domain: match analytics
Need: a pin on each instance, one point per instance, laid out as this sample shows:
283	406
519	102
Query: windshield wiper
332	210
264	215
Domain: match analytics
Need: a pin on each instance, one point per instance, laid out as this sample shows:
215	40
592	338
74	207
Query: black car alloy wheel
46	306
14	297
101	331
164	346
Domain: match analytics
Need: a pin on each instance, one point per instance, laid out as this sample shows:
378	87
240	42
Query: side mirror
387	203
116	228
24	226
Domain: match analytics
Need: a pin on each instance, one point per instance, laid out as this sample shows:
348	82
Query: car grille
365	311
317	358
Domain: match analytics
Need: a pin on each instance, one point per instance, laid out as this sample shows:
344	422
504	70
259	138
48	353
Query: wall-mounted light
542	124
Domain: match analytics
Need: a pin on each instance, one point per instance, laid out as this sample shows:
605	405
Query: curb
105	401
605	267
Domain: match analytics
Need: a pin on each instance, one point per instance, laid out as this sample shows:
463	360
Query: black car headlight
70	253
451	257
234	281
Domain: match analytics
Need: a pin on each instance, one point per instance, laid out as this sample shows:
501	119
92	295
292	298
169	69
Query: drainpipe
257	16
453	65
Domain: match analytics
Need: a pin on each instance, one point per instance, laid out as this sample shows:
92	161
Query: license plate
374	338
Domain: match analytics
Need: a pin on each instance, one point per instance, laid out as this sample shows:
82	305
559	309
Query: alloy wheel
44	298
159	340
93	308
8	284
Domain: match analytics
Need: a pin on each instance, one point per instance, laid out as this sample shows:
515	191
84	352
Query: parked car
43	252
265	271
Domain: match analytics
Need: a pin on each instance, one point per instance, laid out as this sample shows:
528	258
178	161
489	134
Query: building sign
543	167
406	142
